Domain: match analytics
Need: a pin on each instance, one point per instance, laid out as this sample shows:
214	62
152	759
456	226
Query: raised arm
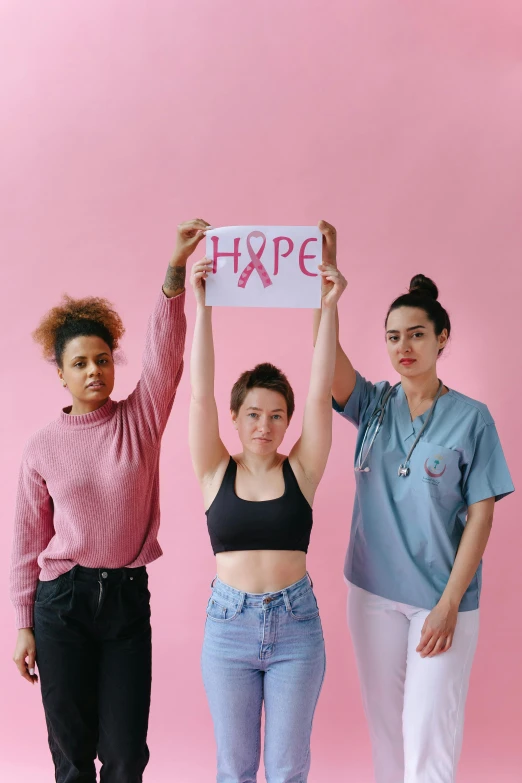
206	448
312	449
344	374
151	401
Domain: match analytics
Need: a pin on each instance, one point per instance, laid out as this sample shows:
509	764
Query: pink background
401	123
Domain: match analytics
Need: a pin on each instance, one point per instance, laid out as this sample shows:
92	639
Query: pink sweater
89	485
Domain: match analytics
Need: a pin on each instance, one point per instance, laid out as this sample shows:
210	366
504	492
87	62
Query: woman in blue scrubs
428	472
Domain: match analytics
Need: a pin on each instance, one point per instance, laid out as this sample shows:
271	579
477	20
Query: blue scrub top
406	531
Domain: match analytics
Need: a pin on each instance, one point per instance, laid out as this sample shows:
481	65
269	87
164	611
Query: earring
64	384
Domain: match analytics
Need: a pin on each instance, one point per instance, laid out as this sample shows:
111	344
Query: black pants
93	650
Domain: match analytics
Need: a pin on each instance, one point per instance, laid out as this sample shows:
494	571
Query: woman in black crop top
263	636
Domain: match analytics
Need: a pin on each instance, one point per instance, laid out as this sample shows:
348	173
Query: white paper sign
264	266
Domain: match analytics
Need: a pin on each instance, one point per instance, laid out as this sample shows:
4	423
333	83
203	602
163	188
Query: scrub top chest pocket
436	475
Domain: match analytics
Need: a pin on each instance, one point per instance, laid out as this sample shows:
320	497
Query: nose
263	424
94	371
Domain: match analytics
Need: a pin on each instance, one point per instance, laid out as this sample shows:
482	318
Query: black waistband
84	574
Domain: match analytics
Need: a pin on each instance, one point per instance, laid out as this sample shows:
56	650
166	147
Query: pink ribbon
255	262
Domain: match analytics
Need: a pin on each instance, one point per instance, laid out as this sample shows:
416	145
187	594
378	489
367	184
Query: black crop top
283	523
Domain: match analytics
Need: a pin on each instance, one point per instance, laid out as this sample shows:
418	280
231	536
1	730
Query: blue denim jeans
263	648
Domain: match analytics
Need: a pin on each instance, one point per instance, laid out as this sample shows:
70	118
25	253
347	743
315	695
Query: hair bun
423	285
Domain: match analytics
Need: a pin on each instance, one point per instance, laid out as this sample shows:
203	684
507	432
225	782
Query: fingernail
31	672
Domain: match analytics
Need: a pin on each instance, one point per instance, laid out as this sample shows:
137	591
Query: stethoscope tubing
379	412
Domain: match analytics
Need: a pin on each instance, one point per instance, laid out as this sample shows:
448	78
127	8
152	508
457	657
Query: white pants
414	706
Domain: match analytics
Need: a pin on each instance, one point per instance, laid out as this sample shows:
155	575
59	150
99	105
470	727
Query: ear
233	416
443	339
60	376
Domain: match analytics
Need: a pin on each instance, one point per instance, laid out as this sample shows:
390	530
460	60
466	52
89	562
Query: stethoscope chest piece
403	471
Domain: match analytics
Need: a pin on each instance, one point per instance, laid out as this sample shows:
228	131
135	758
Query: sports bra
235	524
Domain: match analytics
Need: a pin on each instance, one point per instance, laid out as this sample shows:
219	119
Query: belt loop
74	571
241	602
288	606
310	578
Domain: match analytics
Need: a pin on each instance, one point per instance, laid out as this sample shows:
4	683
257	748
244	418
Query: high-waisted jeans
263	648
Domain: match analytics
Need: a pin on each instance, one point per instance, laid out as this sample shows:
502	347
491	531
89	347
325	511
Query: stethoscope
378	415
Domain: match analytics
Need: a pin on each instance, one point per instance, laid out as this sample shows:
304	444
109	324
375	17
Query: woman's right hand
198	276
25	655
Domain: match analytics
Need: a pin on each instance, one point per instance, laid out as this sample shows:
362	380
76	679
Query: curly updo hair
263	376
92	316
424	294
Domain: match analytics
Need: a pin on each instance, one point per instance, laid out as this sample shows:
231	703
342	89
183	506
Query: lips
407	362
96	385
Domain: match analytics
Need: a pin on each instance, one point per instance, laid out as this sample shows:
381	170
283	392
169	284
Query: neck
422	387
259	463
79	407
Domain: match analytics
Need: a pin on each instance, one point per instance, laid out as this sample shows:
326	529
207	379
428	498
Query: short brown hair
263	376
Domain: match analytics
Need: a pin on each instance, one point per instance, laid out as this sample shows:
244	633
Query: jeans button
104	574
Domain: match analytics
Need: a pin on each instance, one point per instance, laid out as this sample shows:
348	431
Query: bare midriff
261	570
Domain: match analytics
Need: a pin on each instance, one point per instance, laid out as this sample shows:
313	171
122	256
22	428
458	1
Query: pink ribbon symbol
255	262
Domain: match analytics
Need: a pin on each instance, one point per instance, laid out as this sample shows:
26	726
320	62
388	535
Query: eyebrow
274	410
103	353
409	329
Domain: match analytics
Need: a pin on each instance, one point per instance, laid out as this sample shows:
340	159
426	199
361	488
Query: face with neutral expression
88	372
262	421
413	346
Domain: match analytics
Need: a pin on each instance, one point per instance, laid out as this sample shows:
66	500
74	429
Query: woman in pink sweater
87	520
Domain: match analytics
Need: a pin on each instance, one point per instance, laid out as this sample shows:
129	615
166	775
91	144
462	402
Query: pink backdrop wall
400	122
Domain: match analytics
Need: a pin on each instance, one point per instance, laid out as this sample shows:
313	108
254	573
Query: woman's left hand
333	285
329	243
188	237
438	630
